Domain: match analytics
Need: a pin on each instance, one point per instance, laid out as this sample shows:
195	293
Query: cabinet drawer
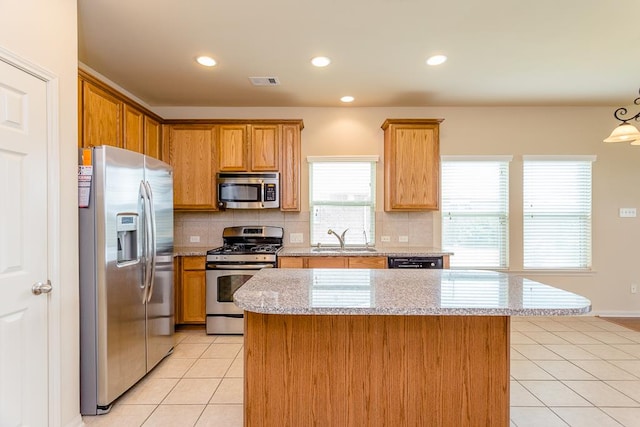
193	263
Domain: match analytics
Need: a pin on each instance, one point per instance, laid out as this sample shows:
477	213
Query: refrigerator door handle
146	270
152	227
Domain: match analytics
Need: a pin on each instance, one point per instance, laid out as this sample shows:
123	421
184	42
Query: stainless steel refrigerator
126	271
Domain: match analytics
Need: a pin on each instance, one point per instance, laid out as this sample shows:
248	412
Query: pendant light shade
625	132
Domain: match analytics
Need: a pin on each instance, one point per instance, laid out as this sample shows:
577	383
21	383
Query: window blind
342	195
557	213
475	211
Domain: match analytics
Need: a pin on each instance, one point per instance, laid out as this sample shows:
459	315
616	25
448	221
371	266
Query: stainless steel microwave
248	190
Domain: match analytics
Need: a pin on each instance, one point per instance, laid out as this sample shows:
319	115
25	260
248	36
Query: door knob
41	288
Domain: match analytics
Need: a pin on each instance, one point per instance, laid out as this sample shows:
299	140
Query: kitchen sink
345	250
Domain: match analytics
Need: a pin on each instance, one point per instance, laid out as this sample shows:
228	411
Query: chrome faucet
339	237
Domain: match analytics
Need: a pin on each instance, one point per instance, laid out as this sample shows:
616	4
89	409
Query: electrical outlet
194	239
627	212
385	239
403	239
634	288
296	238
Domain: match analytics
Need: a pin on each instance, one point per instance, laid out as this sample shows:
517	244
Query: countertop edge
414	311
388	251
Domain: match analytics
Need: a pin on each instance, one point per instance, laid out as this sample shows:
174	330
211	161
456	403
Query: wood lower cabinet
412	164
377	370
191	290
332	262
192	155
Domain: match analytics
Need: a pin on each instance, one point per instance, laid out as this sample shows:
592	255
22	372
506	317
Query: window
475	210
557	212
342	195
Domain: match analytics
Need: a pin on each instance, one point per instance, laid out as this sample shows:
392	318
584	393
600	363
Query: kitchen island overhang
385	347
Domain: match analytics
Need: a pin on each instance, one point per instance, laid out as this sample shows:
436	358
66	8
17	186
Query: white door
23	248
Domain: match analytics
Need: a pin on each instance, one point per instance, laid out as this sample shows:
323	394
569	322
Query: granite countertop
403	292
386	251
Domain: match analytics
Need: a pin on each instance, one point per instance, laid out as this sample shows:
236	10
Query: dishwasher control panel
415	262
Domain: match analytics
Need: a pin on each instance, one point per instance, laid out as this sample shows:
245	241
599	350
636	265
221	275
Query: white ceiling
501	52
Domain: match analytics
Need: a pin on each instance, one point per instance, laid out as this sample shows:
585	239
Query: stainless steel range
246	250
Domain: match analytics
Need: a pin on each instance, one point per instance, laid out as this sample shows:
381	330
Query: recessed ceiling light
436	60
207	61
347	98
320	61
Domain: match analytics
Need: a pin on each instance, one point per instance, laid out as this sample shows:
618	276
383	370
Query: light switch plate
627	212
296	238
194	239
403	239
385	238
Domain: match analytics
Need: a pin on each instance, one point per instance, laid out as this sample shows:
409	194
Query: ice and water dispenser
127	229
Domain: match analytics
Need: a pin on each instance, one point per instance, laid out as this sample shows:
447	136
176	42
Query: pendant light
625	132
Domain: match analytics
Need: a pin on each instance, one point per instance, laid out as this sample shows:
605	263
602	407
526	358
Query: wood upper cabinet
263	147
411	164
192	155
248	148
290	160
133	129
107	117
152	138
101	117
232	148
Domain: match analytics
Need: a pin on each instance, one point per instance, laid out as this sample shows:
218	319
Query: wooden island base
376	370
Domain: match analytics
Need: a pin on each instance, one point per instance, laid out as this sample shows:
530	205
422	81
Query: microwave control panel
270	193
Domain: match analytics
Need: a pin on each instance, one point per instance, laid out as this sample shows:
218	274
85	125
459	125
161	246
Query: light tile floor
565	371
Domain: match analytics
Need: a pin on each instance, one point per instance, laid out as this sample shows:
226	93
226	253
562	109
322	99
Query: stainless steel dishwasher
415	262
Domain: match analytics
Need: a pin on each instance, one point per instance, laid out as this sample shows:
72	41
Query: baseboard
617	313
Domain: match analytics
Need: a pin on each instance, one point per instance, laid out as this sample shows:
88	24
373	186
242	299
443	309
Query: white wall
44	32
515	131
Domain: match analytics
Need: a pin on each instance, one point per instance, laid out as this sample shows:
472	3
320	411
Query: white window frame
497	209
355	236
542	249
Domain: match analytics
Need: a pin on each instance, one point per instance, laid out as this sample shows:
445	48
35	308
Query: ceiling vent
265	81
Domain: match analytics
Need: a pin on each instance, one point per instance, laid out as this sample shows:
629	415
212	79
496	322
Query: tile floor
565	371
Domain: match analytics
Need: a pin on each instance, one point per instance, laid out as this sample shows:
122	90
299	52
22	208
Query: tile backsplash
204	229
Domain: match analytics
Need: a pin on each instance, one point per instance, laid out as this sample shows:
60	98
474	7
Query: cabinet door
193	296
327	262
232	148
133	129
152	137
191	153
412	167
291	262
101	117
367	262
192	291
264	147
290	168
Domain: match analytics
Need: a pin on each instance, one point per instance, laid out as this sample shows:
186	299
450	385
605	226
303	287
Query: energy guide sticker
85	173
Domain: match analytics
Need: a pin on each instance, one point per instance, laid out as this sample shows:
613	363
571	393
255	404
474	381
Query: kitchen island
358	347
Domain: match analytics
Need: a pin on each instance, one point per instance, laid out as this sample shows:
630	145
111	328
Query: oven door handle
238	267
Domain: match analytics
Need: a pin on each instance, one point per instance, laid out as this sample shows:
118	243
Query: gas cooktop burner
249	240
